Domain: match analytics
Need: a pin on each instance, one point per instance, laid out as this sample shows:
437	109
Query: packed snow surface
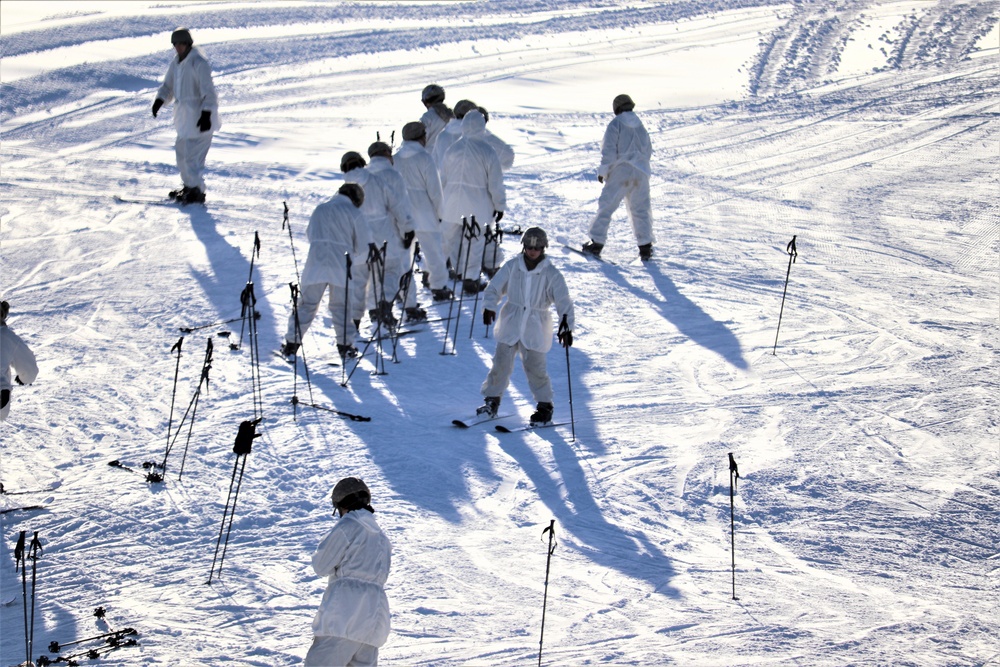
865	429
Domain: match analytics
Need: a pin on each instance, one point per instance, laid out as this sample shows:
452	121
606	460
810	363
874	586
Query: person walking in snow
188	82
15	353
624	171
436	116
472	187
353	618
336	230
423	186
532	285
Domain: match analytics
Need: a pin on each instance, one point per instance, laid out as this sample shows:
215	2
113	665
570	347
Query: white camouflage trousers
534	367
628	183
191	154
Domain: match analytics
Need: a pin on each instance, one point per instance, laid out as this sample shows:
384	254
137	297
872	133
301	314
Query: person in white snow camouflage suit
624	171
353	619
423	186
15	353
472	187
532	285
437	115
188	83
336	230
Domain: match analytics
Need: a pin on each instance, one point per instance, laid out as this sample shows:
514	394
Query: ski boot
383	314
472	286
491	406
347	351
179	193
542	414
646	252
443	294
192	196
593	248
415	314
289	350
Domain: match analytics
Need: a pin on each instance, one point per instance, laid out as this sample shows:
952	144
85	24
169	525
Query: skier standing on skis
336	229
15	353
423	186
532	285
353	618
624	171
189	83
472	186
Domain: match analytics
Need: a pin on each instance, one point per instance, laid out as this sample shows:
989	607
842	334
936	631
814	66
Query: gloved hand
498	215
157	103
17	379
408	239
205	122
566	338
600	179
488	317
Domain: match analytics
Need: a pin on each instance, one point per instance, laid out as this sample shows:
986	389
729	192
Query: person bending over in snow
13	352
532	285
336	230
624	171
196	113
353	618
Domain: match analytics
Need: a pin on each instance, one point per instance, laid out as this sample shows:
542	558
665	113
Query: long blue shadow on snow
685	314
223	285
605	543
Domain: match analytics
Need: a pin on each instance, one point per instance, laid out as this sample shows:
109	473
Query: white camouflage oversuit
625	156
423	185
336	229
472	186
15	353
189	84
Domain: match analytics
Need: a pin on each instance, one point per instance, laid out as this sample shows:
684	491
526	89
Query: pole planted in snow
792	256
734	475
551	530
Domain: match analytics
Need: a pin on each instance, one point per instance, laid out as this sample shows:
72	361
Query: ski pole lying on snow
792	256
734	474
551	530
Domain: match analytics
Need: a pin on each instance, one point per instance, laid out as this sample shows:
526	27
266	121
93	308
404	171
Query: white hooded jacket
386	208
471	176
526	317
423	185
503	149
356	556
336	227
189	82
625	142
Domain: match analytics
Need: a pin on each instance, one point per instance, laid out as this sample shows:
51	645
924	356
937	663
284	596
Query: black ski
173	203
589	255
529	427
477	420
22	509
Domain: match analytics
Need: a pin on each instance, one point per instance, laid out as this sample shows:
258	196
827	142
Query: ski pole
564	329
792	256
36	550
487	237
471	232
734	474
498	239
254	253
193	406
343	328
173	394
19	563
454	286
551	530
291	242
244	442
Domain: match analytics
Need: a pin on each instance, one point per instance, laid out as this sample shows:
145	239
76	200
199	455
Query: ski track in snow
866	521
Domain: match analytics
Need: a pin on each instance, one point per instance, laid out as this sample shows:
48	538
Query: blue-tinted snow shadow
224	283
685	314
574	507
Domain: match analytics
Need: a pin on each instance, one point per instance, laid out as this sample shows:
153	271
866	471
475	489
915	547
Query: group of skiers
442	191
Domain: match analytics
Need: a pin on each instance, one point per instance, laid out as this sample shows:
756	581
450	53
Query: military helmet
535	237
348	487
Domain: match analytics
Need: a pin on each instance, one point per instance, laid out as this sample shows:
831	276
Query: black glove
408	239
600	179
157	103
17	379
488	317
205	122
566	338
498	215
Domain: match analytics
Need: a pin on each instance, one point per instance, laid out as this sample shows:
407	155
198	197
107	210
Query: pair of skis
483	419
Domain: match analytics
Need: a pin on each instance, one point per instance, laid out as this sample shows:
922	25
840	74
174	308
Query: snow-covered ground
866	520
